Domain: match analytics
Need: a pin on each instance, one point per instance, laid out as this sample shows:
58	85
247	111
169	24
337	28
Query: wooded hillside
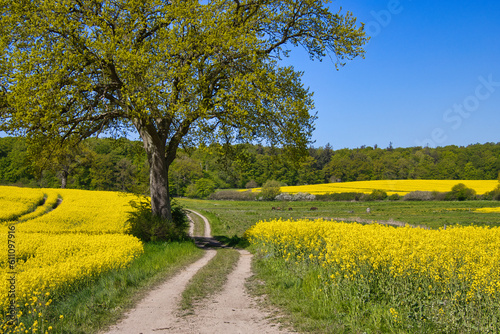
121	164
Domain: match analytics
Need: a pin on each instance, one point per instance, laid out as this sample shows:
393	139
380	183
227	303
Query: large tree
172	70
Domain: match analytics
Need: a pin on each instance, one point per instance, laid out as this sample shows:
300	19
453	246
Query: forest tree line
121	165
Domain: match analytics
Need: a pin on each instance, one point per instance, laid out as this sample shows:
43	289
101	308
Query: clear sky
431	75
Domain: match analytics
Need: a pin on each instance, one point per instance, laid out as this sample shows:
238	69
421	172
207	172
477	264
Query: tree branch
176	140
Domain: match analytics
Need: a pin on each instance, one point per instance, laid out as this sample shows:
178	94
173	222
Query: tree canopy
174	71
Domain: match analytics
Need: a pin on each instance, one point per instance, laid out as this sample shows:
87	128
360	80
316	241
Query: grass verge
307	309
101	304
209	279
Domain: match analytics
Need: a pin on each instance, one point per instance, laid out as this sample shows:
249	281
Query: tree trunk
64	179
158	182
158	173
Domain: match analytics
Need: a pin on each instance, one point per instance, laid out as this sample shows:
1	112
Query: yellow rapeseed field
489	210
52	263
51	200
400	187
443	268
58	249
93	212
16	201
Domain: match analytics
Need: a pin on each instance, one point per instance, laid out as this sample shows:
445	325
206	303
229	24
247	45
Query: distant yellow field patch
401	187
489	210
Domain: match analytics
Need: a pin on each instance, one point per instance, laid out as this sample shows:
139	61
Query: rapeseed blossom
468	254
419	273
16	201
52	263
58	250
95	212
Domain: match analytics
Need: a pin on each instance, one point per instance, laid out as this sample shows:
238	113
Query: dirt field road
232	311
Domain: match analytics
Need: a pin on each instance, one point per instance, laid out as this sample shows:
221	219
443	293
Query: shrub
418	196
439	196
350	196
493	195
270	190
304	197
295	197
284	197
460	192
233	195
148	227
394	197
375	195
251	184
378	195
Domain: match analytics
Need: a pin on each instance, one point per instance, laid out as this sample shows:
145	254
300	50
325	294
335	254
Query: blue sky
431	75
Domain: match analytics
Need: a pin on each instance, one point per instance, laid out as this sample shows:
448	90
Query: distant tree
172	71
447	165
469	172
233	166
184	171
126	172
202	188
461	192
307	174
60	160
270	190
102	173
324	156
14	162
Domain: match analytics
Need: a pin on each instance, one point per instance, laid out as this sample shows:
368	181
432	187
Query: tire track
156	312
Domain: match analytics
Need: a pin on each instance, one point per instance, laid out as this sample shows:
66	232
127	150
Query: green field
230	218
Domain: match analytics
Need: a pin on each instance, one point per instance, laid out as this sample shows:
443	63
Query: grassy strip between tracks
210	279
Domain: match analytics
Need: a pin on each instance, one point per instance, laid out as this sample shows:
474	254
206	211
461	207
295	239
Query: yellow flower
80	239
458	259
